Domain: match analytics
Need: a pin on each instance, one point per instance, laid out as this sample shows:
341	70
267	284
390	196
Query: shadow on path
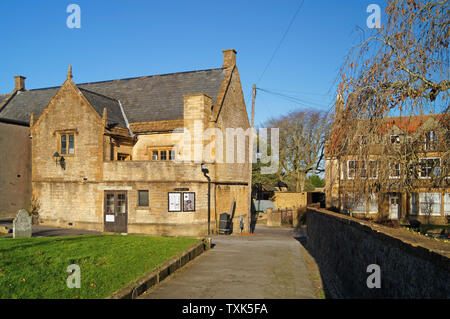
301	236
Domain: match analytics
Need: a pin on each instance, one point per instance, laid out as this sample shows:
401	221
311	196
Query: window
414	204
357	167
430	203
357	203
123	157
430	141
395	139
373	204
122	203
394	170
362	139
67	144
352	165
171	155
447	168
447	204
430	167
163	154
143	198
362	169
373	169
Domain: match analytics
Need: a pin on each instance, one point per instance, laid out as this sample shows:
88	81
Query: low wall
273	218
411	266
282	200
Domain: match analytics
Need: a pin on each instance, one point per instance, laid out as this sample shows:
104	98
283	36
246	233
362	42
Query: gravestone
22	224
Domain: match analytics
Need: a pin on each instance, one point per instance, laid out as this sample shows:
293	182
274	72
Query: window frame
439	204
139	204
67	135
168	150
431	167
430	141
370	169
391	170
397	139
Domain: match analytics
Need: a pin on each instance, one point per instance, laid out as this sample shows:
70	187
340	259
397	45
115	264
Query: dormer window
430	141
395	139
362	139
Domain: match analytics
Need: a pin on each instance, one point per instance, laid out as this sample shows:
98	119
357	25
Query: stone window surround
138	198
67	132
168	149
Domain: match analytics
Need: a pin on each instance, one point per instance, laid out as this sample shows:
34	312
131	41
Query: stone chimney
229	58
19	83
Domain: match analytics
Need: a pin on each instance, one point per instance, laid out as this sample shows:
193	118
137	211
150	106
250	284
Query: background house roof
23	103
144	99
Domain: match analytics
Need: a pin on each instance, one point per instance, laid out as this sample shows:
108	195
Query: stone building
125	155
402	171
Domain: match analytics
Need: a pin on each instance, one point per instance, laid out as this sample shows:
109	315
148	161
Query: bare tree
404	65
401	70
302	138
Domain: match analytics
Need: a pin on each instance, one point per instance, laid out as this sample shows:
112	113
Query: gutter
16	122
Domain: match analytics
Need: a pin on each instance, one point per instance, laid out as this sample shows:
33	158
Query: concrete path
47	231
268	265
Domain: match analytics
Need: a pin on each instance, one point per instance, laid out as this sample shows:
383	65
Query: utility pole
250	158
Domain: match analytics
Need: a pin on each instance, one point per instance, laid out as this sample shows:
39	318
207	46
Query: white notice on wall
110	218
174	202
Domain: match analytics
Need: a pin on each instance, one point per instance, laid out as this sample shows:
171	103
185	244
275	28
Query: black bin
224	224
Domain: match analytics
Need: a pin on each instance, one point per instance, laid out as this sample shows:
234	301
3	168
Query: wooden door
115	211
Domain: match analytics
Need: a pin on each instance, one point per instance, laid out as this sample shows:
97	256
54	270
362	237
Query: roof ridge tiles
150	76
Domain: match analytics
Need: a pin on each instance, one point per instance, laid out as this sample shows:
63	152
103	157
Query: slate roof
159	97
144	99
23	103
99	102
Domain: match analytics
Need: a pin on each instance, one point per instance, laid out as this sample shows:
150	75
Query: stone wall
283	200
411	266
15	169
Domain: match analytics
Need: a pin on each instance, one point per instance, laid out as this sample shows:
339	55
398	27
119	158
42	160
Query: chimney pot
19	83
229	58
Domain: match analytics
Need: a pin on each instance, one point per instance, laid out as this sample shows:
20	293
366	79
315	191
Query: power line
292	98
281	41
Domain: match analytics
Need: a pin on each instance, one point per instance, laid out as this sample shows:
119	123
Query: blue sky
120	39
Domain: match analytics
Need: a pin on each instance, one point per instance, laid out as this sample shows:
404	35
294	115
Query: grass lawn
37	267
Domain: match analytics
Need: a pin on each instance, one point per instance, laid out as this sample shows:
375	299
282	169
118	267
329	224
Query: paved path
47	231
268	265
